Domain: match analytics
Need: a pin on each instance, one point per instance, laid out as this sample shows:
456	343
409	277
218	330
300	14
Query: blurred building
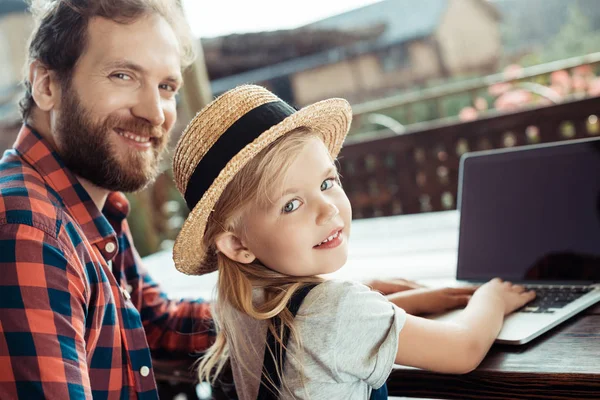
15	26
366	53
421	40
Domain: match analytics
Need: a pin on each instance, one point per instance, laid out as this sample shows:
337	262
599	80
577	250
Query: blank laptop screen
531	214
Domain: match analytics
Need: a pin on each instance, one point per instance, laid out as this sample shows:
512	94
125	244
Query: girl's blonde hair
251	187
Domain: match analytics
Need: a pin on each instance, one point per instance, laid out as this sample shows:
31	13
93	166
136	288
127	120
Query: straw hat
222	138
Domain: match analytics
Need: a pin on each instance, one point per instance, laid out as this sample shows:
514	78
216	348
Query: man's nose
150	107
327	213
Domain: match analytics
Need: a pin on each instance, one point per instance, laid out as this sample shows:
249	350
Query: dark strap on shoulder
268	390
379	394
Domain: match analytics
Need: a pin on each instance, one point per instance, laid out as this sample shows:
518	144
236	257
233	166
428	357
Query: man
80	317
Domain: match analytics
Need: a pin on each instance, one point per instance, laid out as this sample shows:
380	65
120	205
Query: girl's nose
329	212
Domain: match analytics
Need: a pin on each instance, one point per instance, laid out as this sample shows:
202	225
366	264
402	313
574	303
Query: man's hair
60	34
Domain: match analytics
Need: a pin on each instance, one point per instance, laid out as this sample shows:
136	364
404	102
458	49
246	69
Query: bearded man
80	315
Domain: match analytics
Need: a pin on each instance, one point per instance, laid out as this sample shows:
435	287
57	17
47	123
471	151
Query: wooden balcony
417	171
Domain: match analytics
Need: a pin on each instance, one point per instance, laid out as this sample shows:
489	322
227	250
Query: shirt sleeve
174	328
366	332
42	317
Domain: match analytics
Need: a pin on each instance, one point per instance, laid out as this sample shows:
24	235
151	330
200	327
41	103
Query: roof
404	19
288	67
12	6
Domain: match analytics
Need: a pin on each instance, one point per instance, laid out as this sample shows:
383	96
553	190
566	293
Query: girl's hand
432	301
511	296
392	285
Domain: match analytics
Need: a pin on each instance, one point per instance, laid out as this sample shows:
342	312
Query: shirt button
125	294
110	247
129	288
144	371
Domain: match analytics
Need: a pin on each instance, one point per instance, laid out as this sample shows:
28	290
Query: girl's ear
230	245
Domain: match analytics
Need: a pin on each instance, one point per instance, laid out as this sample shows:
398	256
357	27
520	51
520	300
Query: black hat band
243	132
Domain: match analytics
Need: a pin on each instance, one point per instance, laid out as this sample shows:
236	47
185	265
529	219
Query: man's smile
136	140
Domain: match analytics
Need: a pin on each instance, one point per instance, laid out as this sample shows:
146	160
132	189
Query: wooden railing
418	171
446	100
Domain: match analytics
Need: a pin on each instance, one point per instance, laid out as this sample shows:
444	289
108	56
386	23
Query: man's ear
44	86
231	245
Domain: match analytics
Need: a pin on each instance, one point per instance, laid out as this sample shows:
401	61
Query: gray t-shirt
349	337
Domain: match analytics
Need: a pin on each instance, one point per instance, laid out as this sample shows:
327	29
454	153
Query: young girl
269	214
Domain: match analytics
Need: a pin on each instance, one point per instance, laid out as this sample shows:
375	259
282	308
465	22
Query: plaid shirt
79	315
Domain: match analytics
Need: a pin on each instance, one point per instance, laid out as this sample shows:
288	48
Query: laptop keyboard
552	298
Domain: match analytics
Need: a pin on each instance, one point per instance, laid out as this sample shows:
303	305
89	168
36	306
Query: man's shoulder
26	198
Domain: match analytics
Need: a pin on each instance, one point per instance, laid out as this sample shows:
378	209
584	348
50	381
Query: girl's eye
327	184
291	206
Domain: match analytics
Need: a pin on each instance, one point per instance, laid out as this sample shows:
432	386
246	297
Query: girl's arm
432	300
458	346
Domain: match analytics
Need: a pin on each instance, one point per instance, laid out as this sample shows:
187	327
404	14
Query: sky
210	18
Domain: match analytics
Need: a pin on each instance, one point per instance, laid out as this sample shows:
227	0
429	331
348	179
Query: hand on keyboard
552	298
512	296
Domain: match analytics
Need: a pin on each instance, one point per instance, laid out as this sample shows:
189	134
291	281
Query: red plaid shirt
79	315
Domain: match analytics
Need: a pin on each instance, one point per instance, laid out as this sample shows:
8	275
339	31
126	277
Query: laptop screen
531	213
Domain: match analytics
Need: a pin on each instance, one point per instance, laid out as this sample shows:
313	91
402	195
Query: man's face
116	112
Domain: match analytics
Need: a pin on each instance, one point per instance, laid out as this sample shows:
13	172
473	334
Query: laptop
531	215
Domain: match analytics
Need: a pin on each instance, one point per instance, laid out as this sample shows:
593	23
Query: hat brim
330	119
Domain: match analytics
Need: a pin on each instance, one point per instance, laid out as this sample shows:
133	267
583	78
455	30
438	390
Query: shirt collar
36	151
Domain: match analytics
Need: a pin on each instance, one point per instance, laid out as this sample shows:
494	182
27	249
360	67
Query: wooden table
562	364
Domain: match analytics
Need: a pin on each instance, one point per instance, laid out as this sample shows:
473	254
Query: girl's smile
331	241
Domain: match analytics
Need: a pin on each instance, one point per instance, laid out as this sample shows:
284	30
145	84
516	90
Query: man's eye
291	206
327	184
122	76
167	87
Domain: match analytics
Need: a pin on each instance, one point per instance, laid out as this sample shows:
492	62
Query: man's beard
85	147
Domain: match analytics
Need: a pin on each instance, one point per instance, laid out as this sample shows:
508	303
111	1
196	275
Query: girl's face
305	230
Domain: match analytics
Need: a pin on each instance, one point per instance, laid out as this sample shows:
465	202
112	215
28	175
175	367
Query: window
394	57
